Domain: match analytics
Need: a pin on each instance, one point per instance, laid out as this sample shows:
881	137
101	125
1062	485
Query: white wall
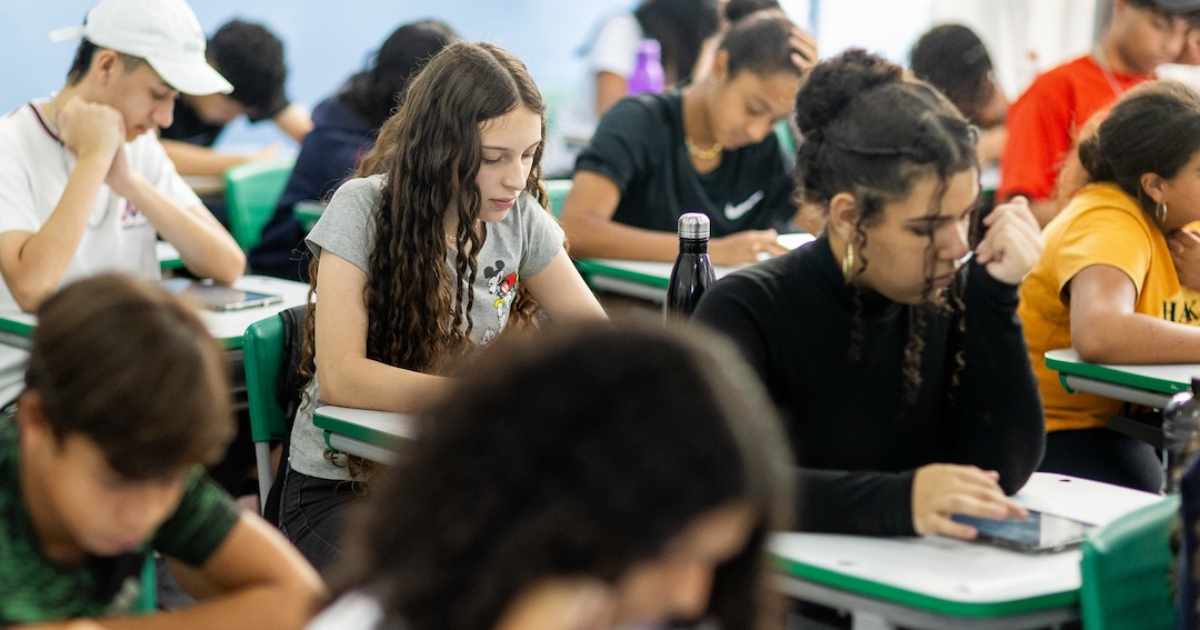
1025	37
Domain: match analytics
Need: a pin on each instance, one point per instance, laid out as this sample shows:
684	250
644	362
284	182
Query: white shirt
614	50
353	611
34	169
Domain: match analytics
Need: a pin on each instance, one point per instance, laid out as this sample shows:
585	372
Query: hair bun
833	84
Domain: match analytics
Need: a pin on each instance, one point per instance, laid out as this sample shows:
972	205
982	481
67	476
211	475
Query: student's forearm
592	237
1135	338
205	246
1000	427
191	159
269	607
365	384
295	121
41	259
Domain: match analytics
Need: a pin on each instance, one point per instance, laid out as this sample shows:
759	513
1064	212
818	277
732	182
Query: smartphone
219	297
1040	533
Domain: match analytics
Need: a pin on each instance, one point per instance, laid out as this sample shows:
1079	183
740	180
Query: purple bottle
648	74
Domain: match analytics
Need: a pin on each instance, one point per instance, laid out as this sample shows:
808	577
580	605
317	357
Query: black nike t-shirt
639	145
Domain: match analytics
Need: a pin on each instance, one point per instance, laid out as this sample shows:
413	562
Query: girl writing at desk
1109	285
899	365
709	148
421	259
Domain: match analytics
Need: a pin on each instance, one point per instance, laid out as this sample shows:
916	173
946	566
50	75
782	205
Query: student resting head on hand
708	148
1120	276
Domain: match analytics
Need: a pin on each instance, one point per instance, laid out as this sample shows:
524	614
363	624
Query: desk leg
870	621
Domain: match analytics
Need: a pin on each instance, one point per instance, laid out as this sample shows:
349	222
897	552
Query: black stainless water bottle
693	271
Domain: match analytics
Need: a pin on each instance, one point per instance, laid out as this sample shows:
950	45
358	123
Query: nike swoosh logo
733	213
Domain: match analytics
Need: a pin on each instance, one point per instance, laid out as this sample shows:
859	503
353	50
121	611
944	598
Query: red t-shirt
1044	121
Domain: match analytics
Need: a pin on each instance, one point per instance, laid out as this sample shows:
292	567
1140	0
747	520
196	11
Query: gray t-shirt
518	247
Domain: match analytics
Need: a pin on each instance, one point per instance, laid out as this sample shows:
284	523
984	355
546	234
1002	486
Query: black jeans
311	514
1103	455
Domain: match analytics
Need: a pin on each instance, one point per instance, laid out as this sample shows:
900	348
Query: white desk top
648	280
663	269
227	327
960	571
388	423
1180	373
166	252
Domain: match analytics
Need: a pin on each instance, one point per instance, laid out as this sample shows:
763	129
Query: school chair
264	349
1127	571
251	192
557	189
147	601
555	98
783	133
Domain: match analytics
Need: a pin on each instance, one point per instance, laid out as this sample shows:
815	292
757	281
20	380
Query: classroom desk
374	435
168	256
1149	385
16	327
649	280
206	185
941	583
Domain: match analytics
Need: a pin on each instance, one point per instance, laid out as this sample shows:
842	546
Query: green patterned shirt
33	588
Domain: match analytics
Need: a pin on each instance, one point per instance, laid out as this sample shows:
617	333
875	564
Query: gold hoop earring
848	263
1160	212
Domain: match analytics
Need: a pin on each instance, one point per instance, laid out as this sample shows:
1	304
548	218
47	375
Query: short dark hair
1154	128
548	460
735	10
871	133
760	43
954	60
132	368
374	93
1156	7
82	62
680	26
250	57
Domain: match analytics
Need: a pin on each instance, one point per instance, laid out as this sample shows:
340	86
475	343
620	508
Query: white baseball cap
165	33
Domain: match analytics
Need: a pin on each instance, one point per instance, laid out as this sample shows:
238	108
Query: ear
1152	183
720	66
1118	7
105	65
843	217
31	418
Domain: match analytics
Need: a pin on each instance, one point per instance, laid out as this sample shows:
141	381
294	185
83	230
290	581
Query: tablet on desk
219	297
1040	533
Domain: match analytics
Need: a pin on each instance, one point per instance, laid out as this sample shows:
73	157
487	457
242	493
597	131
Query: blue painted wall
325	40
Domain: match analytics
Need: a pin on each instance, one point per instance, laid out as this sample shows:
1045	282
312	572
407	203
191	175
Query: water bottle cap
693	225
650	47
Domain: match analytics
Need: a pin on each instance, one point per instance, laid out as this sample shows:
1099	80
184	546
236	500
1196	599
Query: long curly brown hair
419	316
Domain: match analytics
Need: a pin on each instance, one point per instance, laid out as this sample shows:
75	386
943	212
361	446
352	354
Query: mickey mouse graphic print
518	247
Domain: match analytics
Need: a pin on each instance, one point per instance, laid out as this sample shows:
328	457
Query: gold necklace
702	154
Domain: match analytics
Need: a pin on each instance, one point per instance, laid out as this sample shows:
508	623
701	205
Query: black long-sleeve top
857	442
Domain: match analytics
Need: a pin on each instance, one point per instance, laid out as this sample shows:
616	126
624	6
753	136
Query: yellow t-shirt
1101	226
